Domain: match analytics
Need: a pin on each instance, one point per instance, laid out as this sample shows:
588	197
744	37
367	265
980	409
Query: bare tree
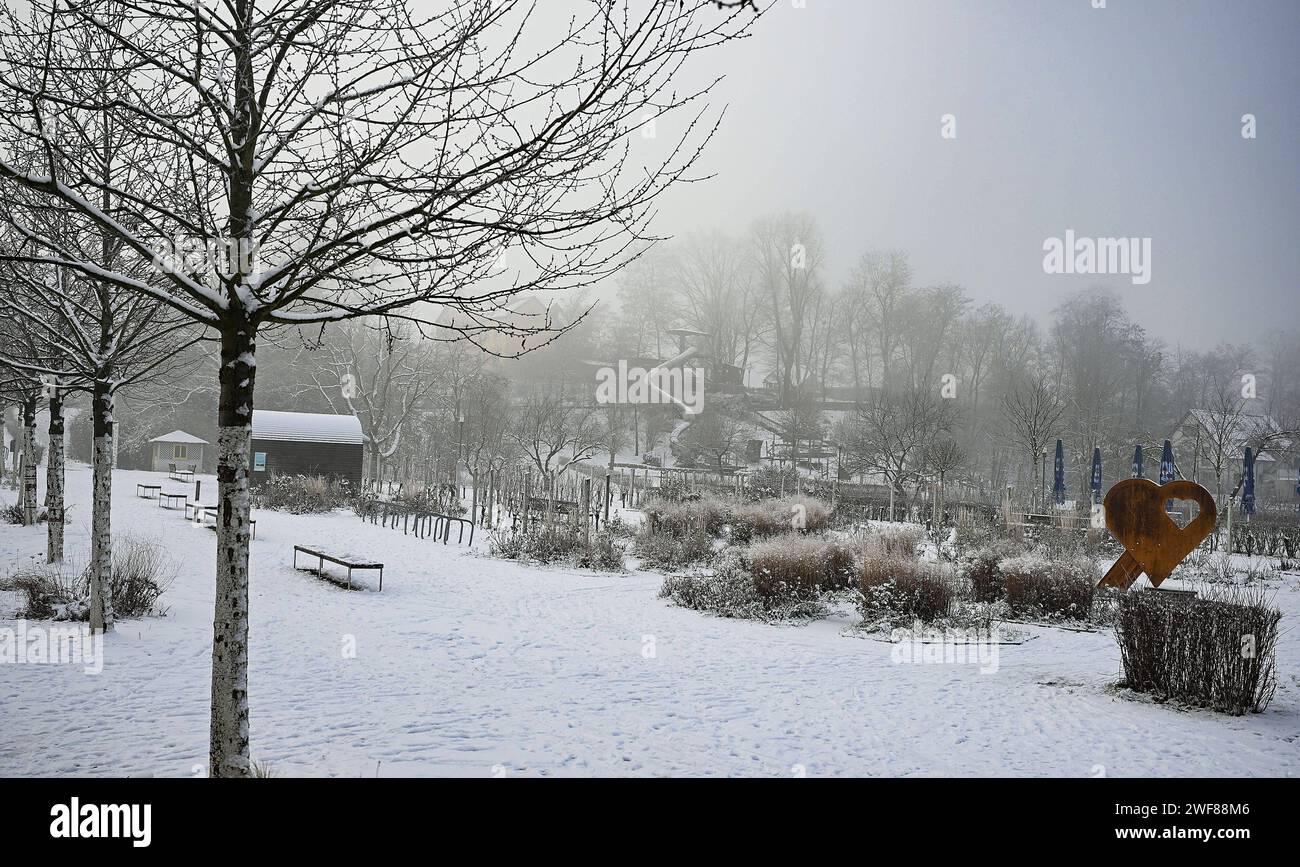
552	433
890	432
1033	413
343	159
379	374
787	257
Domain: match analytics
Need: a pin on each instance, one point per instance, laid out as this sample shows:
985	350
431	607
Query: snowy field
470	666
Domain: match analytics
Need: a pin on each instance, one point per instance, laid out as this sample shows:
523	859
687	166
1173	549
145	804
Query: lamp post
1042	497
460	448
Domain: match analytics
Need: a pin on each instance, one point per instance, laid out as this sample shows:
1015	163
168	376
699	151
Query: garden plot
474	666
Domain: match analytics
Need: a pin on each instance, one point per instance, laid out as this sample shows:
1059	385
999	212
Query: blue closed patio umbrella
1058	480
1137	462
1167	463
1248	484
1096	475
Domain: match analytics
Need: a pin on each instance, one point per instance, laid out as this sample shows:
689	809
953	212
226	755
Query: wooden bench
142	487
193	507
165	498
345	560
181	475
211	512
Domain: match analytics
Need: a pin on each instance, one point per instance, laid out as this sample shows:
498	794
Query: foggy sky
1123	121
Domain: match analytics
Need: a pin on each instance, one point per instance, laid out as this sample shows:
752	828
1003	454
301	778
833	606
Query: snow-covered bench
211	512
167	498
142	490
347	561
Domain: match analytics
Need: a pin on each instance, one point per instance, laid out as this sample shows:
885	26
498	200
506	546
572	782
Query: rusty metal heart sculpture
1153	543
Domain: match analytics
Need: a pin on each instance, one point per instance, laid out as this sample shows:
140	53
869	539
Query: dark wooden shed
306	443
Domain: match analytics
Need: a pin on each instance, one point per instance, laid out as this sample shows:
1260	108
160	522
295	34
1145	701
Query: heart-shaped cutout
1136	516
1182	512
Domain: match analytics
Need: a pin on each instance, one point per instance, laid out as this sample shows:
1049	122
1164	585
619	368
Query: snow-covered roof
179	436
306	427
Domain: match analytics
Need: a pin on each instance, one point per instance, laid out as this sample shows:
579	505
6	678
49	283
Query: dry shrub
898	587
559	544
800	565
767	518
663	551
891	542
302	495
1218	651
730	591
982	570
141	573
1039	587
678	518
61	591
14	514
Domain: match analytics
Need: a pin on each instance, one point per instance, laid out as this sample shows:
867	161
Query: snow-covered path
465	665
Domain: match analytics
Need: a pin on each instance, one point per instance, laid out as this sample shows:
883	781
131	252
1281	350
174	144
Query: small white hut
177	450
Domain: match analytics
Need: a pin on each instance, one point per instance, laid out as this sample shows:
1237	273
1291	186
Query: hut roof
306	427
179	436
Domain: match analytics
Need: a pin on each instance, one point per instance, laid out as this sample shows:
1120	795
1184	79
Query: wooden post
608	497
473	501
528	496
586	511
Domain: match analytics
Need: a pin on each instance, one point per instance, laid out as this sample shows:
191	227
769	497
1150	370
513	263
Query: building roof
179	436
306	427
1240	430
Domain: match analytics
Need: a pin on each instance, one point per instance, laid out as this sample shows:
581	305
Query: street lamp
1042	496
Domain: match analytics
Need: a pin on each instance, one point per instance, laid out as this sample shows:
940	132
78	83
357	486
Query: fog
1117	122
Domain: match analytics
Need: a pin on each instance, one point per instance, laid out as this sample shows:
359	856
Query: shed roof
306	427
179	436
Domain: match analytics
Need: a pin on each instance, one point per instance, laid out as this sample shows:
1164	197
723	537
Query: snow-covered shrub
897	587
51	592
674	488
686	517
664	551
730	591
901	540
604	552
14	514
562	543
302	495
619	528
979	532
769	481
142	572
776	516
982	569
1218	651
800	565
1041	587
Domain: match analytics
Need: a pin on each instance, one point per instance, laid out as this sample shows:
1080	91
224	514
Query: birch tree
345	158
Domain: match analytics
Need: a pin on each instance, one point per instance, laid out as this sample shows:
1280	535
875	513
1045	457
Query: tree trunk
229	748
28	497
54	477
101	536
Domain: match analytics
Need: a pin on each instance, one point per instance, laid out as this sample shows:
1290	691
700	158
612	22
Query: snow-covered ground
465	665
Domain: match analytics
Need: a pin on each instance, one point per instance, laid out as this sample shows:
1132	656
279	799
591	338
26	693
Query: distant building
1204	438
177	450
306	443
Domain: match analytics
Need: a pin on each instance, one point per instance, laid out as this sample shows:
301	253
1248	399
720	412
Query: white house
177	450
